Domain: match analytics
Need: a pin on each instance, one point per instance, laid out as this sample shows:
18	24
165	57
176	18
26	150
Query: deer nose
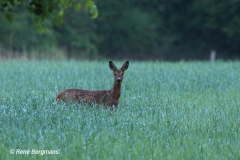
119	80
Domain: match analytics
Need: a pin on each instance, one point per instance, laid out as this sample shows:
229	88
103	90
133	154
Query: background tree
136	29
45	9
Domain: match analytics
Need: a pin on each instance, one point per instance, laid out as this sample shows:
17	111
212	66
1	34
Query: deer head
118	73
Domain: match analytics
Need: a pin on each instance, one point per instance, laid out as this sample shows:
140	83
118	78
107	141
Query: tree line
136	29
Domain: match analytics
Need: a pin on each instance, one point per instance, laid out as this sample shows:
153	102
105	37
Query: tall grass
185	110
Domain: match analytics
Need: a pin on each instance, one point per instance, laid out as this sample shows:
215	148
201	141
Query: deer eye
115	74
122	74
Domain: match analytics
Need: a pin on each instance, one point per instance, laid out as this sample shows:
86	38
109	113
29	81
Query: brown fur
108	98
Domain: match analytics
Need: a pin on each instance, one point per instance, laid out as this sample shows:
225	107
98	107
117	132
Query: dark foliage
137	29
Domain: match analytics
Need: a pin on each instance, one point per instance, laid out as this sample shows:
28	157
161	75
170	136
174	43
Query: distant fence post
212	55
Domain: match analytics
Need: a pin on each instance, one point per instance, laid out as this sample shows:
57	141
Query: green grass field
184	110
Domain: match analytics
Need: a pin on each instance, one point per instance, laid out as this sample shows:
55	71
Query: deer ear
112	66
125	66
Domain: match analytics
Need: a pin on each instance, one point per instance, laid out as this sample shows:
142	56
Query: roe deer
108	98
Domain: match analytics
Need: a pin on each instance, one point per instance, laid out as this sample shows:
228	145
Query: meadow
183	110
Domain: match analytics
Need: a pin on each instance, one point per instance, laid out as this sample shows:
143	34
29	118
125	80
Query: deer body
108	98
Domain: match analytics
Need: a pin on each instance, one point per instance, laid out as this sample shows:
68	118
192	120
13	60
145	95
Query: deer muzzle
119	80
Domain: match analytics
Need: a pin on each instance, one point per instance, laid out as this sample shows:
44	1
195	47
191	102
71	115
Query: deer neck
116	90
